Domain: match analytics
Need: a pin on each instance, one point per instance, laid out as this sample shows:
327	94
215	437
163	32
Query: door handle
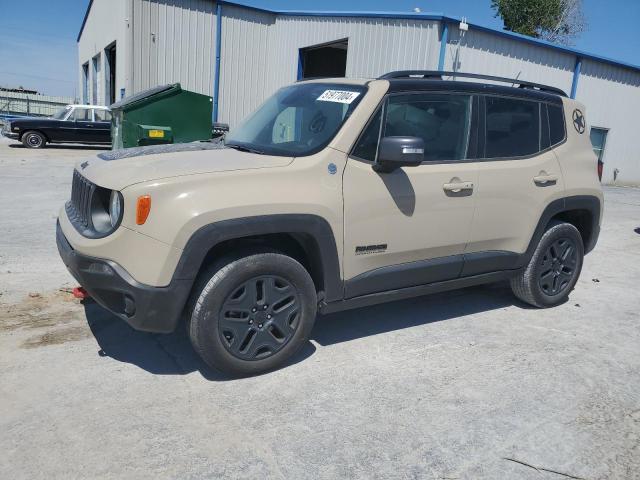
545	179
457	187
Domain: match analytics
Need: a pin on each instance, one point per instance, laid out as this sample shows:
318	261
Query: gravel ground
466	385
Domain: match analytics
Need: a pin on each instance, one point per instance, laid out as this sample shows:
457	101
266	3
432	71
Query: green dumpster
164	114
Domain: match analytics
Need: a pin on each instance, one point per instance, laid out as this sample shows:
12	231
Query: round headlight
115	207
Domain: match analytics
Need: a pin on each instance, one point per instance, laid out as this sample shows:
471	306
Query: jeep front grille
79	207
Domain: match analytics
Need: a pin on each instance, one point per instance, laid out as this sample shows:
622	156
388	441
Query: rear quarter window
556	124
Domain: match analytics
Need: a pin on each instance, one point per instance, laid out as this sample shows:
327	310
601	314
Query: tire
554	268
33	139
252	314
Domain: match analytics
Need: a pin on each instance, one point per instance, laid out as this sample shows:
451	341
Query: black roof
412	80
471	87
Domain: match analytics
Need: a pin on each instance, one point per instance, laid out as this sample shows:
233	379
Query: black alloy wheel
259	317
558	266
554	268
250	313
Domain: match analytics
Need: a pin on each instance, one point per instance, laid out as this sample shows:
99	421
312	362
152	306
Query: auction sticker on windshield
338	96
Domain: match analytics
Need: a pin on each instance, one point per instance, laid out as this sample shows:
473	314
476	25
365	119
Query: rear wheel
33	139
553	269
253	314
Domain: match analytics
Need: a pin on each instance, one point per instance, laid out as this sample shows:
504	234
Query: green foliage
553	20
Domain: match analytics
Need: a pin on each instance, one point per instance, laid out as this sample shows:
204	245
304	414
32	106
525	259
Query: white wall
106	23
174	41
260	51
612	98
486	53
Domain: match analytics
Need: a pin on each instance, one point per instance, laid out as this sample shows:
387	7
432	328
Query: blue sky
38	43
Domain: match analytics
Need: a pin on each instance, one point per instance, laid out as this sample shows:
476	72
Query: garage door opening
324	60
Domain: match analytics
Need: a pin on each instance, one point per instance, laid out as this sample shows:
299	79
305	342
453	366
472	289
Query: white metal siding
174	41
612	98
260	51
105	24
482	52
246	62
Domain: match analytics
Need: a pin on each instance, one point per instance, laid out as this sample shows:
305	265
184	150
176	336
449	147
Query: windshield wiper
243	149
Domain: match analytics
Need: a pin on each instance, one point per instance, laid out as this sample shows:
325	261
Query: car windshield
298	120
60	114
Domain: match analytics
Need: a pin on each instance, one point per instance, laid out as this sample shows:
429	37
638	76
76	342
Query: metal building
240	55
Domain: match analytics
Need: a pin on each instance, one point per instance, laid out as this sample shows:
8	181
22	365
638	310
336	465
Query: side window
441	120
102	115
367	145
512	127
556	124
81	114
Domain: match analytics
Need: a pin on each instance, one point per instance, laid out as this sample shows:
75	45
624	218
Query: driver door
409	227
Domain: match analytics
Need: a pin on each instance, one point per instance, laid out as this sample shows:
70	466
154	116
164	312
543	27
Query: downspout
443	44
576	77
216	78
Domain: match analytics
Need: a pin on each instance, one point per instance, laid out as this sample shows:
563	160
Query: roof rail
436	74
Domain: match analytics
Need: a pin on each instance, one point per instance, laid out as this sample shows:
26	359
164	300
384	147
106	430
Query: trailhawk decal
367	249
338	96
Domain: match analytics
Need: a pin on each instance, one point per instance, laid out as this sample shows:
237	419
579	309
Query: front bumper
146	308
9	134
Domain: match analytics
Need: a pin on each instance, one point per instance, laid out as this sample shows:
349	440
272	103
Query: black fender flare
314	226
588	203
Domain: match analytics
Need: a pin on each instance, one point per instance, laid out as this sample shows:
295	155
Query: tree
557	21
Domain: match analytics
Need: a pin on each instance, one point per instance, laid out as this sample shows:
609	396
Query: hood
121	168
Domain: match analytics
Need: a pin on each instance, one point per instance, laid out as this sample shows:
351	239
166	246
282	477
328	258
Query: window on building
441	120
110	74
598	141
85	83
95	83
512	127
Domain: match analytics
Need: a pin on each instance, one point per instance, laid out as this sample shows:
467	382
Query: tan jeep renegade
337	194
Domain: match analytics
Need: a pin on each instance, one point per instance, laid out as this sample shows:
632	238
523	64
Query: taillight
600	166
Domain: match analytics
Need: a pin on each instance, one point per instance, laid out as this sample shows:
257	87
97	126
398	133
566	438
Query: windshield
298	120
60	114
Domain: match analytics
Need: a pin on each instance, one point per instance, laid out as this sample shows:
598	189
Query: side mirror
396	152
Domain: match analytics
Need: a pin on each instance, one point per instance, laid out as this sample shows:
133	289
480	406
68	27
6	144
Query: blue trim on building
443	45
84	20
576	77
422	16
216	77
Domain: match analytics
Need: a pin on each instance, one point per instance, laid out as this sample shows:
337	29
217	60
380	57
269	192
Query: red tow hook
81	293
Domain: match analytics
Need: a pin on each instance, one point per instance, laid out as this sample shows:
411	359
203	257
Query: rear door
102	126
81	126
409	227
518	177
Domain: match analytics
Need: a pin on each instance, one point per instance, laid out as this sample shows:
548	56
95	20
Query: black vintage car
72	124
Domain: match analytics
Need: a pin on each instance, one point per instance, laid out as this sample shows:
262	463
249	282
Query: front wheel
553	269
33	139
253	314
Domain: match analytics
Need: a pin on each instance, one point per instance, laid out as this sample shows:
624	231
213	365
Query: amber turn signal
143	209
